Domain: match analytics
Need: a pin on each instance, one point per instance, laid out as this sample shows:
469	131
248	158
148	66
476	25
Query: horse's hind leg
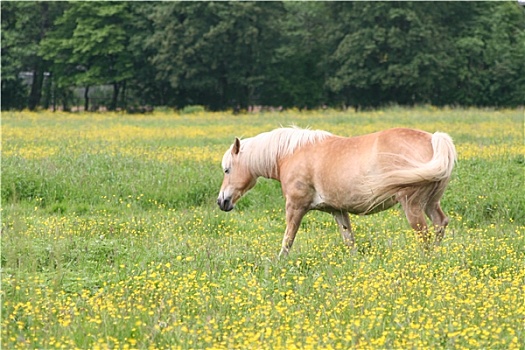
415	216
438	218
343	221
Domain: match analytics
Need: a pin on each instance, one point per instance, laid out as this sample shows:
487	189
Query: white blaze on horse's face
237	178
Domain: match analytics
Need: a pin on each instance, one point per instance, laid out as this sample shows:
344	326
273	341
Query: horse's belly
346	203
377	207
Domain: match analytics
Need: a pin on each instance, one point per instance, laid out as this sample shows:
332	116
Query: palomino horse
339	175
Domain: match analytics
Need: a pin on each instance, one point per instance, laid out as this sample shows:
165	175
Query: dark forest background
232	55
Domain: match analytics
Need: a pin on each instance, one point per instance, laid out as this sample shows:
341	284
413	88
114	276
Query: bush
192	109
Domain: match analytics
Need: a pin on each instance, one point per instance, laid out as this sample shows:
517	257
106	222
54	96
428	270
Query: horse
339	175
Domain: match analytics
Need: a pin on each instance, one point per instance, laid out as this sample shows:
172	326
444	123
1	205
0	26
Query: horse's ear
236	147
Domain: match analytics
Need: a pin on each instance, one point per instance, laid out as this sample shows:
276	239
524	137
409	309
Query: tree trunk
36	88
86	99
123	102
39	68
47	91
114	99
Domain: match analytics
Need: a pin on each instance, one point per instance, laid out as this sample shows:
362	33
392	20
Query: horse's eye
227	170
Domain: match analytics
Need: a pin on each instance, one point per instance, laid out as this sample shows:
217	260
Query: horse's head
237	177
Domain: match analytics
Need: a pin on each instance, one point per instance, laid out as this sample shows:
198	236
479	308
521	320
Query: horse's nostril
225	204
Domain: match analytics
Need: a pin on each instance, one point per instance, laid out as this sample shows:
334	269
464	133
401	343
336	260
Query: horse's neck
263	164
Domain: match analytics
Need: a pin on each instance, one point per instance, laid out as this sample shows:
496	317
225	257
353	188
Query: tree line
224	55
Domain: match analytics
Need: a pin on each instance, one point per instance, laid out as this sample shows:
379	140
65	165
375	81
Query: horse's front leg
294	215
343	221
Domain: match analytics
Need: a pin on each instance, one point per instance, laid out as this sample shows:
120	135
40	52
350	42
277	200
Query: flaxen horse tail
427	179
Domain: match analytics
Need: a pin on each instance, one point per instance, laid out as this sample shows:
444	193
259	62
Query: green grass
111	238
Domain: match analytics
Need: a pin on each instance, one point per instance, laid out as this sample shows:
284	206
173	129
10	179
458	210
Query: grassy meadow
111	238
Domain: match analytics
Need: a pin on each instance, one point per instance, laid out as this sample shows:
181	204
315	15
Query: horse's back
410	142
364	152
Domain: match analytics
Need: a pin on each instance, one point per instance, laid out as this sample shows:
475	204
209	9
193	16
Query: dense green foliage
238	54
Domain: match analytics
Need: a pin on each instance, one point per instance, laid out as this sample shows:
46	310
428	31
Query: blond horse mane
261	153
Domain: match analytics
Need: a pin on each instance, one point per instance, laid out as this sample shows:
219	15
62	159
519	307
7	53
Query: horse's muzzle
225	204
